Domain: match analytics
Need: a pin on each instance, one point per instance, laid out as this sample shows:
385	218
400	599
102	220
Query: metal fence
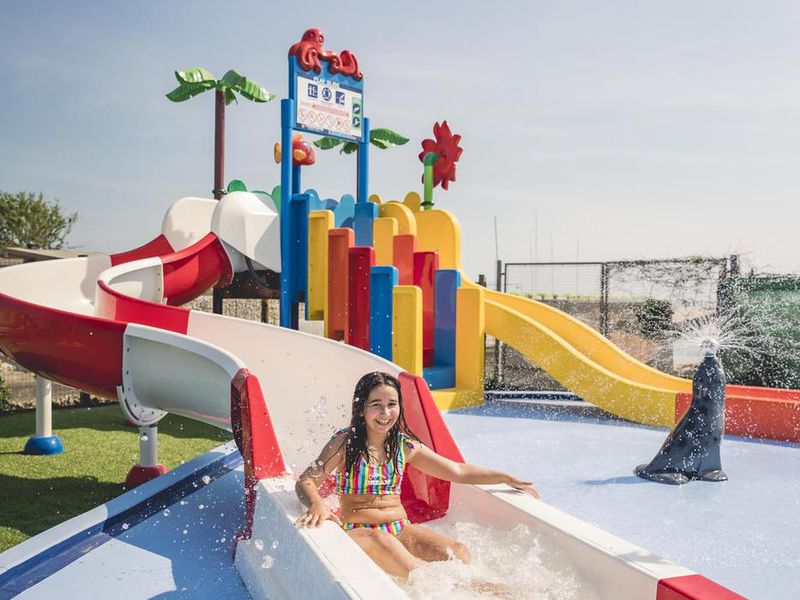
638	305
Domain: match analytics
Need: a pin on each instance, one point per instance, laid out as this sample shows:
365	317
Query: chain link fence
640	306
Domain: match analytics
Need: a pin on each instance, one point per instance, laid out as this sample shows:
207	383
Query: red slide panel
191	271
360	260
425	265
112	304
340	240
157	247
78	350
693	587
255	438
423	496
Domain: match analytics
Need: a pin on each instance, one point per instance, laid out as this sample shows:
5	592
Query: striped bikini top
377	480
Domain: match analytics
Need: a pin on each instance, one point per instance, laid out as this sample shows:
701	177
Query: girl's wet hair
356	436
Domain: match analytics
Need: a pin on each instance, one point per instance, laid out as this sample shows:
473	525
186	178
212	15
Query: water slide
584	361
110	325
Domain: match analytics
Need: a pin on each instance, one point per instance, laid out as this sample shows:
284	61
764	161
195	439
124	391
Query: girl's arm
427	461
307	485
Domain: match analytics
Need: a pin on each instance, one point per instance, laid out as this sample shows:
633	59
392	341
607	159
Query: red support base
139	475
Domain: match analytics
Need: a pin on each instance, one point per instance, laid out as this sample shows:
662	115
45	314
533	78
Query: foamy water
505	564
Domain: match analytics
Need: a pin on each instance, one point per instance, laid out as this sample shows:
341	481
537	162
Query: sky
591	130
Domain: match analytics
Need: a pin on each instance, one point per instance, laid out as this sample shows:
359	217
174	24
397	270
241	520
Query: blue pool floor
743	533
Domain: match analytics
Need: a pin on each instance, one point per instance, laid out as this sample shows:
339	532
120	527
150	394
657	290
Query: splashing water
505	564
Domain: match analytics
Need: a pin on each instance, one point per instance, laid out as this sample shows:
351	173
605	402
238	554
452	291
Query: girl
371	456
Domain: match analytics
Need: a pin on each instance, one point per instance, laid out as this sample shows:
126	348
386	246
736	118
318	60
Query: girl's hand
523	486
316	515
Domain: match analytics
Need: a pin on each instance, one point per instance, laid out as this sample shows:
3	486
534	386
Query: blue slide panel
445	284
365	214
381	281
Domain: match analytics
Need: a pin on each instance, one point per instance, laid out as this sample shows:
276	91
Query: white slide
108	325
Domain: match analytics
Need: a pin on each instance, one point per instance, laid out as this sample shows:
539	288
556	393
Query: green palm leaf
386	138
195	76
248	88
349	147
327	142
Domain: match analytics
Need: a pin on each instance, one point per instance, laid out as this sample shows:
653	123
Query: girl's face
382	409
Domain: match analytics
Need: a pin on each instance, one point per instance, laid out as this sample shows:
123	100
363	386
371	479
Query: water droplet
258	544
202	506
125	526
222	540
166	512
144	437
206	479
183	503
185	531
268	562
274	544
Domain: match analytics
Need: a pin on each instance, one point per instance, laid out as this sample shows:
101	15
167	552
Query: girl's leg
429	545
386	550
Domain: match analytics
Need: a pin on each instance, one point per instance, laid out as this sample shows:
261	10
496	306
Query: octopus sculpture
309	52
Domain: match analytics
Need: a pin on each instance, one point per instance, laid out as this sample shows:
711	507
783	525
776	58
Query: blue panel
445	284
343	214
381	281
298	243
362	168
287	258
439	378
314	203
365	214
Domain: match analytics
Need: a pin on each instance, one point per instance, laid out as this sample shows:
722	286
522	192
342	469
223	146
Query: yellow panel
470	346
439	231
413	201
319	223
406	224
383	231
375	199
407	328
453	398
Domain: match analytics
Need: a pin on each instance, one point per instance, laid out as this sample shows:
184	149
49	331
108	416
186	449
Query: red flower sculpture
446	146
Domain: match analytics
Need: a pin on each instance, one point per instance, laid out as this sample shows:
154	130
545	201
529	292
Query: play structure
386	278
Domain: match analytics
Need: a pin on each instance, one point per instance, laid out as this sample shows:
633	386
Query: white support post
44	407
148	446
44	442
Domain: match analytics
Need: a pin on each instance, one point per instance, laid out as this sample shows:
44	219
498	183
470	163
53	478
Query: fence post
604	299
498	345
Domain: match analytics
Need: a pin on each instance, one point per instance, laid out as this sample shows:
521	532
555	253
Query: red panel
119	307
361	259
425	497
425	265
156	247
78	350
255	437
340	240
191	271
770	418
403	248
693	587
762	392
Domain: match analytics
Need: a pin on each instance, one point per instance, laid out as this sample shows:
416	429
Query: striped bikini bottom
393	527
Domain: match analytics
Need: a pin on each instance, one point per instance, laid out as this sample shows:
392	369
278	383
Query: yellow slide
575	355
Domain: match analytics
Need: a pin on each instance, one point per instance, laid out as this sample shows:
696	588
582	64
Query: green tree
30	221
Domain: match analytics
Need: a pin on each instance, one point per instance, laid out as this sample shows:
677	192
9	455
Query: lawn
37	492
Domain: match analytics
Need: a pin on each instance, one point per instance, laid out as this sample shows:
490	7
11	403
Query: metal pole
498	345
604	299
219	174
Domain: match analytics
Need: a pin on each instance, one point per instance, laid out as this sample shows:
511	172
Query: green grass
37	492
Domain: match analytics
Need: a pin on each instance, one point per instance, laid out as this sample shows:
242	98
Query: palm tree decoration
382	138
192	82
